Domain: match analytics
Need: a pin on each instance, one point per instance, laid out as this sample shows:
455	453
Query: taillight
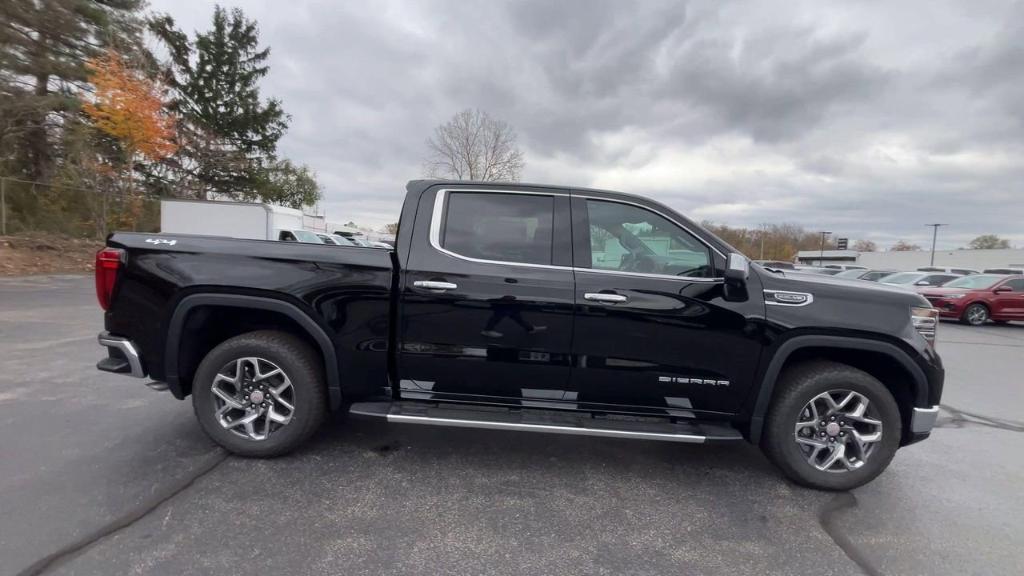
108	263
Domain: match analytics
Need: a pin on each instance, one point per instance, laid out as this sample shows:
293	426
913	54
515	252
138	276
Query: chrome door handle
435	285
602	297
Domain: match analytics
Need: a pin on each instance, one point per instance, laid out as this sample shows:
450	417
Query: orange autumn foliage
128	106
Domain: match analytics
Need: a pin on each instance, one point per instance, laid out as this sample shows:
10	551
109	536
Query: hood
939	291
823	279
842	288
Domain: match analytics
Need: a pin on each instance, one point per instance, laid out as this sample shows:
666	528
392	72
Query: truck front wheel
260	394
831	426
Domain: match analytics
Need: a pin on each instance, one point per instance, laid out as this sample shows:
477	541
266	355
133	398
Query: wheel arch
893	367
299	320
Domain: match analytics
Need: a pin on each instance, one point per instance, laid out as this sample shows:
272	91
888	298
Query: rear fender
315	331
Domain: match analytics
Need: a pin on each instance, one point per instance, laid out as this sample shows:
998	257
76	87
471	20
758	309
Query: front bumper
947	307
122	356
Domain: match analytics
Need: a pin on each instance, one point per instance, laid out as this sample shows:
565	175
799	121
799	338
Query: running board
551	421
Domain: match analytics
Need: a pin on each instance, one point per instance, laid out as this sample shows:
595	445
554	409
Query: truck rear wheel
831	426
260	394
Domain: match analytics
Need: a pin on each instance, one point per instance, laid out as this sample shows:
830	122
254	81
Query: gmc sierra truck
529	308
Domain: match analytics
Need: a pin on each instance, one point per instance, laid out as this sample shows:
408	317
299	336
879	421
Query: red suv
978	298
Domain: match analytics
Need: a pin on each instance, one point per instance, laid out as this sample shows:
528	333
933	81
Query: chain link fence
34	208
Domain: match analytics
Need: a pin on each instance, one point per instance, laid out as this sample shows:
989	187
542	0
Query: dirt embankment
46	254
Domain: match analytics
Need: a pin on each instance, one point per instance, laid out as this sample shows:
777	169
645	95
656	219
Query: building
912	260
821	258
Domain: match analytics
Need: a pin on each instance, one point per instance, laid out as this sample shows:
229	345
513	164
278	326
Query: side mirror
921	283
738	269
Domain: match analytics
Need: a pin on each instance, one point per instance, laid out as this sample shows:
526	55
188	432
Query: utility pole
3	206
935	234
821	253
763	230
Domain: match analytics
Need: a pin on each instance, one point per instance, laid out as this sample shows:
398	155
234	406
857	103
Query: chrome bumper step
537	420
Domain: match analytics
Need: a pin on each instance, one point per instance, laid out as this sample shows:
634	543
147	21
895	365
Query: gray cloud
868	118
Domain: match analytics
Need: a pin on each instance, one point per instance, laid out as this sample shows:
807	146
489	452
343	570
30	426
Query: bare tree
865	246
474	146
904	246
989	242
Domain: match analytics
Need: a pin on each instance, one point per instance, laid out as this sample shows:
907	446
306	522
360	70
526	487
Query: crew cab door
653	328
486	306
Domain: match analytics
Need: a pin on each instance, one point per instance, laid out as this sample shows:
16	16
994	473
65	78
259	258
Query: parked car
948	270
978	298
865	274
816	270
1003	271
911	279
775	264
335	240
303	236
845	267
634	323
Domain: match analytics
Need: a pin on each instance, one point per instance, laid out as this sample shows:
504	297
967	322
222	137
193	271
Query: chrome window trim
435	236
810	298
647	275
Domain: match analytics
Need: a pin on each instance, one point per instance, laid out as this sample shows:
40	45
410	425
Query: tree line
86	105
783	241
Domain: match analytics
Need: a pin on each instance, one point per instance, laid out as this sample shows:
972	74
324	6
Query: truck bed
346	291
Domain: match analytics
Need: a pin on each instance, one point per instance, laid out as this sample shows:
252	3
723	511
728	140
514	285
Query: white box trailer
233	219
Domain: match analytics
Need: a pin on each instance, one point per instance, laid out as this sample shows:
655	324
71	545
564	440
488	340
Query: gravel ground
99	475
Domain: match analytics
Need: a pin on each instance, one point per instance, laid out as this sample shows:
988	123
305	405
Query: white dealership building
912	260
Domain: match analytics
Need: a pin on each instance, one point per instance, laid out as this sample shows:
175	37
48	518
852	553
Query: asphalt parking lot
100	475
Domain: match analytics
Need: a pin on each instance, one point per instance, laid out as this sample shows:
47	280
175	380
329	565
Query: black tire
798	386
981	316
302	367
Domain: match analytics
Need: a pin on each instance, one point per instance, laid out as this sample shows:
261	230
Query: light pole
821	251
935	234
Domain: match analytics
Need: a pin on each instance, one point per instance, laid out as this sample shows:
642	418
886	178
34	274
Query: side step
552	421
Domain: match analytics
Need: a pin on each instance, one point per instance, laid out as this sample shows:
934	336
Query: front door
653	329
486	307
1008	300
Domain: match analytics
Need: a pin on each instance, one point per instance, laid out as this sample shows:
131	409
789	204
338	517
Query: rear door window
514	228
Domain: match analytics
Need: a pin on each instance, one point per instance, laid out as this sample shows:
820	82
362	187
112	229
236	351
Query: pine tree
44	47
227	134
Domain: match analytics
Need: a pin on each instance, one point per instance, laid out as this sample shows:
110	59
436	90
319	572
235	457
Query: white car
916	279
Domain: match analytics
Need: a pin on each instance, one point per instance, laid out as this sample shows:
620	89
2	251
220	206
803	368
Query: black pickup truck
528	308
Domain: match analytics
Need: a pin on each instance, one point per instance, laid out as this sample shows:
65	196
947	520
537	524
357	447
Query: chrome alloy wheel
837	430
252	398
976	315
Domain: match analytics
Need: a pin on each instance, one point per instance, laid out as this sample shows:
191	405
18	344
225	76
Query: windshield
855	273
341	240
307	236
975	282
902	278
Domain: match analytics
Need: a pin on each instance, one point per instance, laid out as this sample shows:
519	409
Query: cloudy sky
866	118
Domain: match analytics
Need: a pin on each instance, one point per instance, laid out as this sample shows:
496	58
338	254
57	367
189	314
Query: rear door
486	307
653	330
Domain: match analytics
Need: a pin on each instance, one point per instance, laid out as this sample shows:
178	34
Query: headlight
953	296
926	322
